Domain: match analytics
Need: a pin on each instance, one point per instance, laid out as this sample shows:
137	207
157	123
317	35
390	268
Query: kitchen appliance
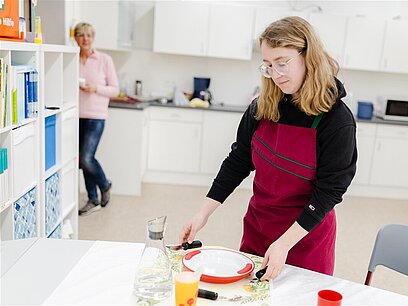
393	108
365	110
201	91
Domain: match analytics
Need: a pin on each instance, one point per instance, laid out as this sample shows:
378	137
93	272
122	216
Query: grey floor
124	219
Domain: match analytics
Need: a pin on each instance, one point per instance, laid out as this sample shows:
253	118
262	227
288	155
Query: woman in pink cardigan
101	83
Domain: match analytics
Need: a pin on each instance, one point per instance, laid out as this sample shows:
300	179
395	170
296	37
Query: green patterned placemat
250	290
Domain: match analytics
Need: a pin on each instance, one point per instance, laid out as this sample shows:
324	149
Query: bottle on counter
138	90
153	279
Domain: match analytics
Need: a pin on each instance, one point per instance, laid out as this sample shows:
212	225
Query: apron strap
317	120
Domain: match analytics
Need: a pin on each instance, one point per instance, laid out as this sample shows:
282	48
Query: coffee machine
201	91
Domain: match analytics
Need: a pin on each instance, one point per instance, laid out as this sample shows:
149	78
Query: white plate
219	265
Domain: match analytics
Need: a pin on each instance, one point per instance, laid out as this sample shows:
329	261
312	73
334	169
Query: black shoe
89	208
105	195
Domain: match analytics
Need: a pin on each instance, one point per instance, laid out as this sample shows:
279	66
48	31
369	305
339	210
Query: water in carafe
153	280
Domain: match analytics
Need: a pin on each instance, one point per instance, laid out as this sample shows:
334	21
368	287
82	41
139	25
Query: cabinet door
180	27
332	31
395	46
105	21
121	156
111	21
230	31
365	149
390	158
264	16
217	139
364	42
174	146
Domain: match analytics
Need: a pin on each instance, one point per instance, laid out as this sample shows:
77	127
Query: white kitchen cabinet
264	16
113	21
113	150
181	27
199	28
395	47
366	133
390	158
230	31
217	138
326	25
174	140
364	43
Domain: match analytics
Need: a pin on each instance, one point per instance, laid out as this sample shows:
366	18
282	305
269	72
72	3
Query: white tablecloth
104	276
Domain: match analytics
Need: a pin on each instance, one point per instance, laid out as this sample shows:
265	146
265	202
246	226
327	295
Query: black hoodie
335	148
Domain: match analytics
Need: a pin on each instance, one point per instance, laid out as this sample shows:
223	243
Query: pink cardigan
98	70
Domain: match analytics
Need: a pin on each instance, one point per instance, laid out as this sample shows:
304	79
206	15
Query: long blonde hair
318	92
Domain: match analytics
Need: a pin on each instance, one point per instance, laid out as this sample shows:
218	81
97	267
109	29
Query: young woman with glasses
101	83
299	137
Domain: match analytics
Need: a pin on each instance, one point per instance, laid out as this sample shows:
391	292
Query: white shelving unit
43	151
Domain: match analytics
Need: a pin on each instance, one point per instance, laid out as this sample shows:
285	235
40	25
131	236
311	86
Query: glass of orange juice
186	288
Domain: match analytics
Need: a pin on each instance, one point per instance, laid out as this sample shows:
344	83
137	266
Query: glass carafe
153	280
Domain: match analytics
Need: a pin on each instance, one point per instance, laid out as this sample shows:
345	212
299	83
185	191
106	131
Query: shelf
51	171
5	206
59	48
68	105
24	122
67	210
19	46
50	112
5	129
35	144
25	190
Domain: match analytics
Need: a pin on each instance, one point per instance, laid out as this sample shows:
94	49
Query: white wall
233	81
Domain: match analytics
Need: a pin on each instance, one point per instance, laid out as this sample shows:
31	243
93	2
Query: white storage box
24	158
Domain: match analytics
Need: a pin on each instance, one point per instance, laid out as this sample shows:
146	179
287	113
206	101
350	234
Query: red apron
285	169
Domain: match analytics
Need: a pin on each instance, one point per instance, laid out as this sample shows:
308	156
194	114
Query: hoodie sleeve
238	164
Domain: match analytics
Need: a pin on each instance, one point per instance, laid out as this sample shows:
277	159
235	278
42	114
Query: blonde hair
318	92
84	27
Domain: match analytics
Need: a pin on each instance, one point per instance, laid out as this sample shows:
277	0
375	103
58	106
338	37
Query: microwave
393	108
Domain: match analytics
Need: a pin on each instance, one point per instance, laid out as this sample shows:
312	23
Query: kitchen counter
379	120
226	108
144	105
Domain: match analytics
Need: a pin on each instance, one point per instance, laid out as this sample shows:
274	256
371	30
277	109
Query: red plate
218	266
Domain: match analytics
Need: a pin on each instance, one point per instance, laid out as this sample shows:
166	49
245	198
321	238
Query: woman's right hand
197	222
191	228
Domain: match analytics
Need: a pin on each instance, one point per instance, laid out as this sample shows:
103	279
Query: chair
390	250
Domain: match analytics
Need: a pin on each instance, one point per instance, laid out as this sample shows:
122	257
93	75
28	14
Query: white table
75	272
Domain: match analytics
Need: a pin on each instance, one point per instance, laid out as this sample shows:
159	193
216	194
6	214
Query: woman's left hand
89	88
275	258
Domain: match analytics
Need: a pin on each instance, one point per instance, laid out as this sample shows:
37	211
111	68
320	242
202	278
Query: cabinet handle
379	147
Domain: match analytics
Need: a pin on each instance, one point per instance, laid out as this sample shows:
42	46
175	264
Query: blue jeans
90	133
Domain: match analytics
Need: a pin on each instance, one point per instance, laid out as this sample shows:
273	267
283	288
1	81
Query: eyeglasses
83	35
281	68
